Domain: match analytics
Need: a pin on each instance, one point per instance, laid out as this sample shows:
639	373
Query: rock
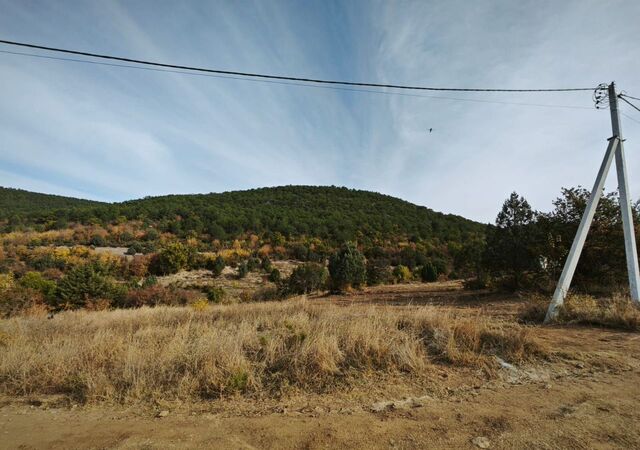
381	406
411	402
163	413
481	442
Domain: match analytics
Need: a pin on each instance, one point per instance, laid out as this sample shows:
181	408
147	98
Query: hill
333	213
19	202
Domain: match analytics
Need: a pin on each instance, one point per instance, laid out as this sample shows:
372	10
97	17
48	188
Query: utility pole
615	147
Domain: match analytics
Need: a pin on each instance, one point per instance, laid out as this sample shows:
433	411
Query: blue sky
113	134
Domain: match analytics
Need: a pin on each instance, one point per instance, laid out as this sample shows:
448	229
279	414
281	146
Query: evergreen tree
347	268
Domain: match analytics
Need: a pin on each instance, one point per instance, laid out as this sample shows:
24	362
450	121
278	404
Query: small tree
378	271
307	278
428	272
347	268
266	265
511	244
216	265
243	270
81	284
171	259
274	275
401	273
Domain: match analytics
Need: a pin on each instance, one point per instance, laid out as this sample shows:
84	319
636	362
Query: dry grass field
406	366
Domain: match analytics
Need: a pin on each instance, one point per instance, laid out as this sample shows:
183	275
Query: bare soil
585	396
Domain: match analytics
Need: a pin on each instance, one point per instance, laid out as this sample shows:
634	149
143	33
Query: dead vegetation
192	354
617	311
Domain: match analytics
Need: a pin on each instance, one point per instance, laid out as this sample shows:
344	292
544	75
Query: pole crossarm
615	148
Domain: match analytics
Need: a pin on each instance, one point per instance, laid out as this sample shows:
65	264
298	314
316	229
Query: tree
401	273
428	272
511	243
81	284
216	265
378	271
347	268
602	262
171	259
243	270
307	278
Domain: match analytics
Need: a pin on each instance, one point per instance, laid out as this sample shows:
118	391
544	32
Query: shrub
377	271
266	265
215	294
243	270
347	268
171	259
307	278
18	300
253	264
274	275
480	282
135	248
81	284
216	265
429	273
98	241
157	295
200	304
401	273
35	281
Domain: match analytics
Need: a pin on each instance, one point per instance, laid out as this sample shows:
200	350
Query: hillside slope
327	212
18	202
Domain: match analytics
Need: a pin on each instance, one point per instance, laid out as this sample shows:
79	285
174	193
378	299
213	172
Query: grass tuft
617	312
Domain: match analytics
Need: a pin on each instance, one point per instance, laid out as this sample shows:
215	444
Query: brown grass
616	312
191	354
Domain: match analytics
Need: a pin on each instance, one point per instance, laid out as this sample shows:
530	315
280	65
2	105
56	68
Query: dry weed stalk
187	354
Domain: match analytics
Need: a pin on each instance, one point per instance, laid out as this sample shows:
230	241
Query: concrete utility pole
616	147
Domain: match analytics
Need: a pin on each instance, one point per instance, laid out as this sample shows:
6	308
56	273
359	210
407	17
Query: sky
112	134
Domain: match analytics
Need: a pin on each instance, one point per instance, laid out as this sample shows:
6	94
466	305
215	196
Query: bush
135	248
81	284
307	278
157	295
347	268
274	275
377	271
253	264
429	273
216	265
480	282
98	241
266	265
215	294
18	300
35	281
171	259
401	273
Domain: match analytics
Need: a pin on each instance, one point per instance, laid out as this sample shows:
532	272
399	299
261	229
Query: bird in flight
430	130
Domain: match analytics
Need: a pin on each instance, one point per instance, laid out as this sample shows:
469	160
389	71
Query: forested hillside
16	202
332	213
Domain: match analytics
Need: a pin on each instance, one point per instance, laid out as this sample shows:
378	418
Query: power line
340	88
629	103
629	96
630	118
277	77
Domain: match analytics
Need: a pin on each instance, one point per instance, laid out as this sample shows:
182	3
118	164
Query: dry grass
614	312
191	354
